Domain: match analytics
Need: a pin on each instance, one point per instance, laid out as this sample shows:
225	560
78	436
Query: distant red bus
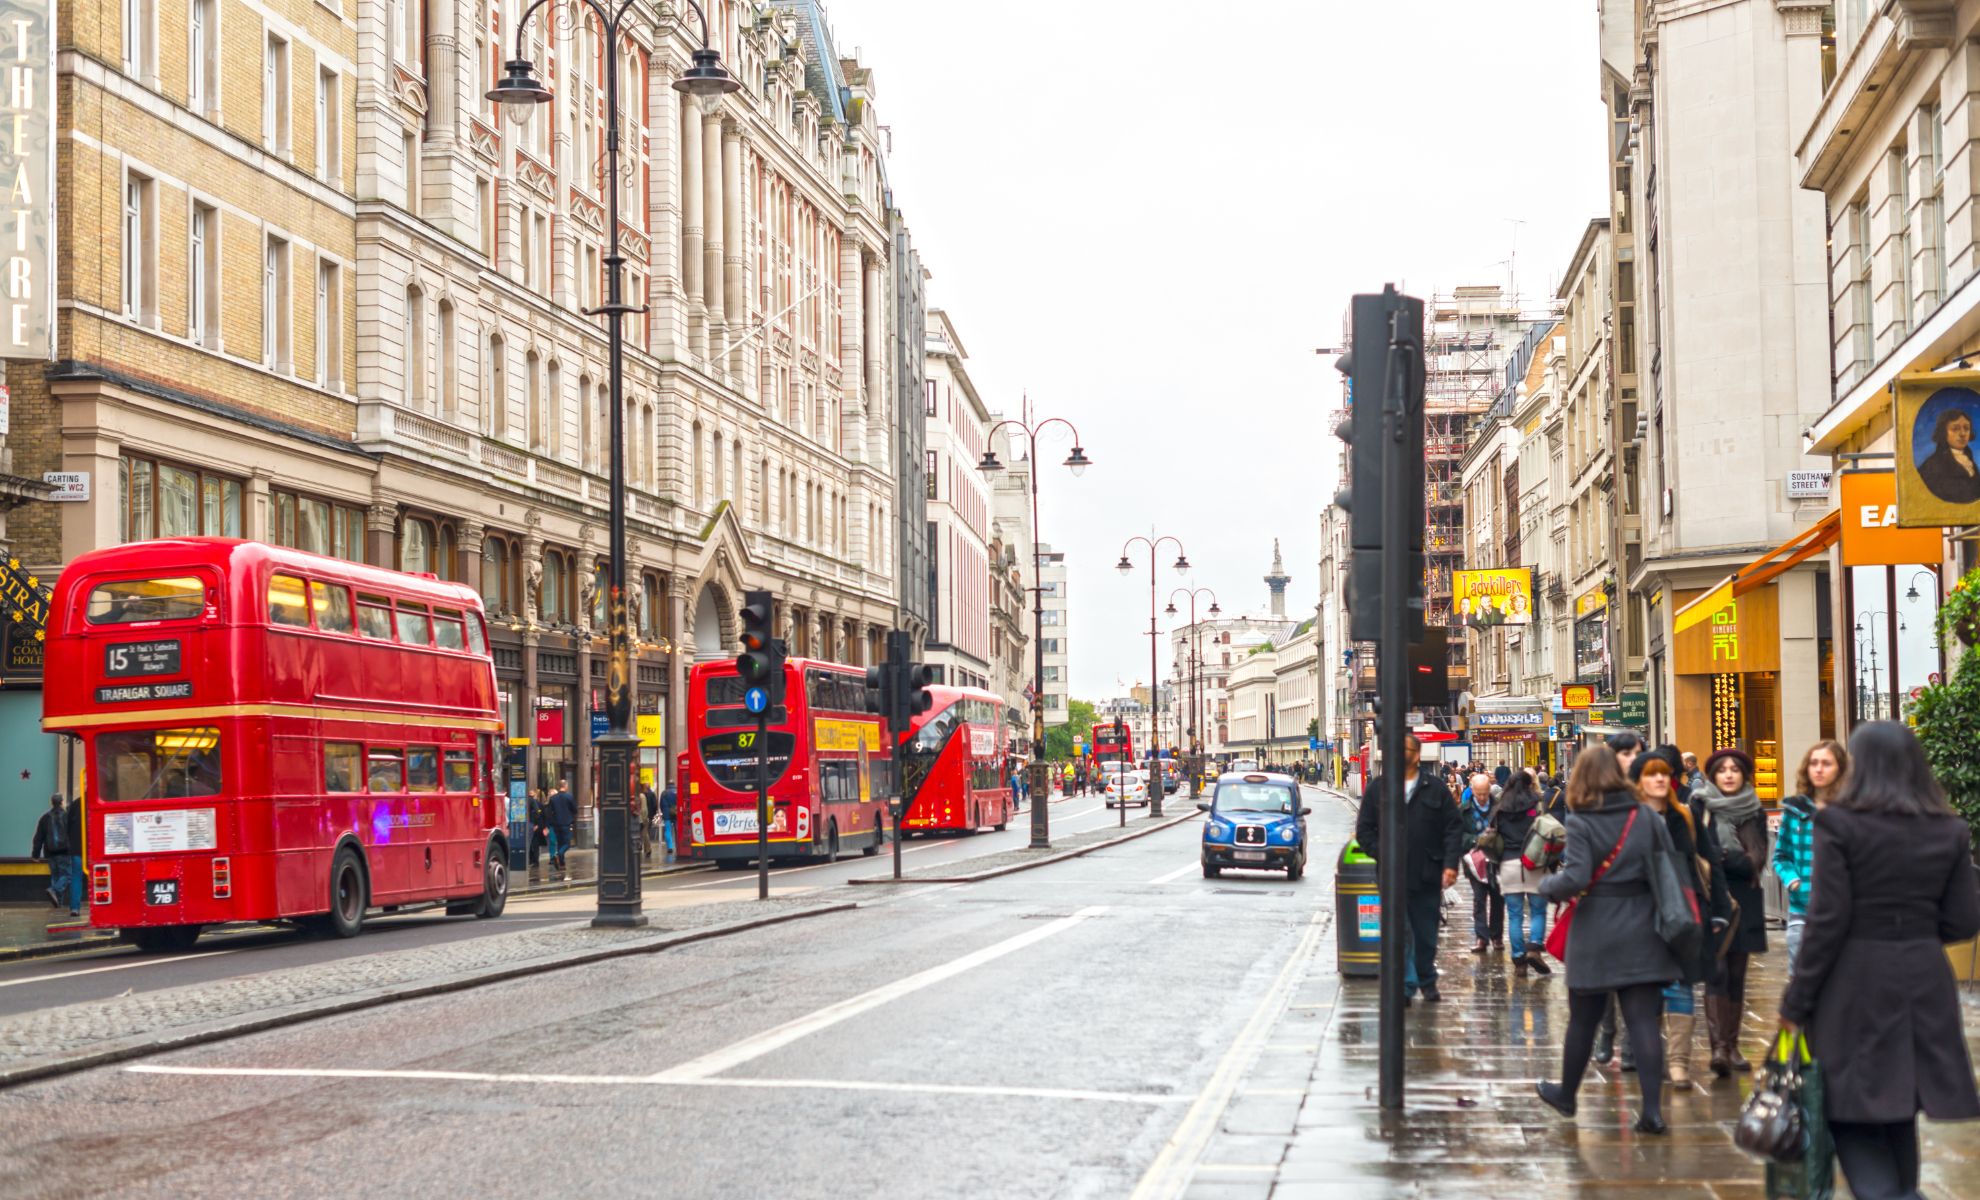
953	764
830	773
1113	743
274	735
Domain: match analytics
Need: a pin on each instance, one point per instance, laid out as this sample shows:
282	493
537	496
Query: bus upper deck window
333	607
447	629
286	602
375	617
414	625
476	640
130	601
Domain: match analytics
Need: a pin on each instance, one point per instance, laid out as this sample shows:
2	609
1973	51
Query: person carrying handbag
1656	776
1741	825
1506	836
1488	906
1873	989
1611	943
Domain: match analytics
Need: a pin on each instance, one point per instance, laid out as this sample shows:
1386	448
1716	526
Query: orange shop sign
1870	533
1577	695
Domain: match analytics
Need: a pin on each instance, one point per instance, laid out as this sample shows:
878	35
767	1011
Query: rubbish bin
1357	913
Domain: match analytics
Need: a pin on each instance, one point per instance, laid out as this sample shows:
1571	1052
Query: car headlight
1290	833
1216	830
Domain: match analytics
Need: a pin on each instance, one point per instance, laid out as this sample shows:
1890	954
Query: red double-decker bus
830	772
1112	743
953	759
274	735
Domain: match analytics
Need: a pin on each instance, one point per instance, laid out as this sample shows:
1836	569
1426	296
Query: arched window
498	566
651	598
450	386
416	544
553	412
587	426
601	586
446	564
495	390
415	349
763	495
533	411
697	488
554	602
715	495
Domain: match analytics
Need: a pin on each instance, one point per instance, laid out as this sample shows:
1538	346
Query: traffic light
761	663
880	690
916	679
1384	364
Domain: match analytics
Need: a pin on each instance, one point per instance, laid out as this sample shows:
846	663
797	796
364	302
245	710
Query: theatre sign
27	179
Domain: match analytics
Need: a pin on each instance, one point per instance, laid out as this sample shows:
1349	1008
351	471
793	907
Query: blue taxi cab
1255	822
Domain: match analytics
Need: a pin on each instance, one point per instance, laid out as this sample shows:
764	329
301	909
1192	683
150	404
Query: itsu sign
27	179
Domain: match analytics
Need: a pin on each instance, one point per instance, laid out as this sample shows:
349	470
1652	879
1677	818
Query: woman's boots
1722	1016
1678	1029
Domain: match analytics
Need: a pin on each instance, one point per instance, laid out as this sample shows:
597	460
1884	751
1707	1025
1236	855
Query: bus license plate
161	891
1249	856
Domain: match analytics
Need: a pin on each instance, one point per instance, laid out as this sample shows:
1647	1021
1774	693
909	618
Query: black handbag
1772	1125
1678	922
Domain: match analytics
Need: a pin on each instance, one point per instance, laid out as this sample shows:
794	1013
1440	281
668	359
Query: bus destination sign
127	693
159	657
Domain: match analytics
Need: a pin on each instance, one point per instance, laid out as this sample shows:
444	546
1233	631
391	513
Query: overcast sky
1148	218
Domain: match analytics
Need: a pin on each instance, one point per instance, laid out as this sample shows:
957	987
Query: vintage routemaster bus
830	772
953	764
274	735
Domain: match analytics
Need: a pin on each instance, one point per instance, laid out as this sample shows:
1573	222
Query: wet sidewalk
1303	1122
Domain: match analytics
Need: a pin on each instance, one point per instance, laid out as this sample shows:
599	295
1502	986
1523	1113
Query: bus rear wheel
831	851
162	939
347	895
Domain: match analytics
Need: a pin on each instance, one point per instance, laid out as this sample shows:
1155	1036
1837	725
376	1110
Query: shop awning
1798	549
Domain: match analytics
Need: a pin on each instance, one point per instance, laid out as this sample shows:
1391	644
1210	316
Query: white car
1127	788
1242	765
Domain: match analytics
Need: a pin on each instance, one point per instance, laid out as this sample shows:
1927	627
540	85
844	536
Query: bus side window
447	629
341	761
333	607
375	617
459	776
385	770
476	640
423	768
286	605
415	629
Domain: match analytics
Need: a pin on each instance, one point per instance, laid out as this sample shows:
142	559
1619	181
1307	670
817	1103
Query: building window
1863	316
203	57
140	250
499	568
930	483
140	40
277	305
315	525
1932	141
329	325
203	275
448	365
554	600
275	95
415	350
601	588
931	397
1900	210
161	499
533	389
329	128
495	390
484	215
553	411
416	544
410	147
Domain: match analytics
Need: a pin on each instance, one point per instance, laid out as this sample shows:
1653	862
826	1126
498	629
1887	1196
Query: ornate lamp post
1196	681
519	93
1126	567
1076	462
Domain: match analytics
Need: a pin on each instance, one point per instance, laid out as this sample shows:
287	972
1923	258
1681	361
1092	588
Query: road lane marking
1169	1174
1178	873
837	1085
145	962
732	876
750	1048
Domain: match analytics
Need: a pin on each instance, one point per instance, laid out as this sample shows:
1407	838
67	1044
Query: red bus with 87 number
274	735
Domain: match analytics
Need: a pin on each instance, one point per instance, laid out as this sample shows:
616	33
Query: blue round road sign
756	700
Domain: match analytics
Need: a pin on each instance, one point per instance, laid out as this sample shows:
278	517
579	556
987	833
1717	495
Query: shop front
1728	669
1506	731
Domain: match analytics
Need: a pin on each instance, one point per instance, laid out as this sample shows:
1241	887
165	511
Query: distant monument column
1278	581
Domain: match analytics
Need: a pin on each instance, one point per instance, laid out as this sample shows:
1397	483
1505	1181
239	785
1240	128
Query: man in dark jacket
58	838
1433	840
670	810
563	819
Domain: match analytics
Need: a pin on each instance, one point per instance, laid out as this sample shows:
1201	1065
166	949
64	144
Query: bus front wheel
347	894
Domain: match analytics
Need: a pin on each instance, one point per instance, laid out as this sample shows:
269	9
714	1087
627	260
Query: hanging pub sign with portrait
1938	463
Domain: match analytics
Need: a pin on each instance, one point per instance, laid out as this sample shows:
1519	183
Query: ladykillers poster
1938	460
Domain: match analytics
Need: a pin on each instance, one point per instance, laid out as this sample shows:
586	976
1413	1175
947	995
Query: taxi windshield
1256	797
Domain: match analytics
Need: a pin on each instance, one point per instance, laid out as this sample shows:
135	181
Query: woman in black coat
1613	944
1739	823
1894	879
1656	775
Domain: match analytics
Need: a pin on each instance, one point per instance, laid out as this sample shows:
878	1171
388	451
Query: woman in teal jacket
1820	774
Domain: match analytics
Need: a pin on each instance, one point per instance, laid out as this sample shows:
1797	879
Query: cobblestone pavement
32	1043
1304	1121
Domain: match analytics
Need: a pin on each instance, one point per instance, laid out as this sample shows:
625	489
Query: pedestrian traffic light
761	663
1384	366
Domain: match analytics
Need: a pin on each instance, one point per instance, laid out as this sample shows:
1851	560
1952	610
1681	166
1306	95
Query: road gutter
1044	861
144	1046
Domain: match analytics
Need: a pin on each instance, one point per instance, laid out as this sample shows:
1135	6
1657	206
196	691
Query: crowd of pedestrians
1875	869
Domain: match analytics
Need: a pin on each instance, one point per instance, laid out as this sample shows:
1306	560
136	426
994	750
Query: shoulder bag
1558	935
1677	917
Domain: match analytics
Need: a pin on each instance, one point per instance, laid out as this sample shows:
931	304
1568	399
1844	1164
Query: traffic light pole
763	806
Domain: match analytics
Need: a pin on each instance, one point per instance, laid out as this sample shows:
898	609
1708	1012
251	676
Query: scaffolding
1470	333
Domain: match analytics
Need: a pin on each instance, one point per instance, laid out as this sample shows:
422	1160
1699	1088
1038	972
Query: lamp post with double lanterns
1196	681
1126	567
519	93
1076	462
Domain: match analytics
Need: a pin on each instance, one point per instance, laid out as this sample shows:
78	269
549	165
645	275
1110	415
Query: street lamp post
1126	567
1076	462
1196	682
519	93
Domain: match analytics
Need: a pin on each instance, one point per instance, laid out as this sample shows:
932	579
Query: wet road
92	975
1047	1033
